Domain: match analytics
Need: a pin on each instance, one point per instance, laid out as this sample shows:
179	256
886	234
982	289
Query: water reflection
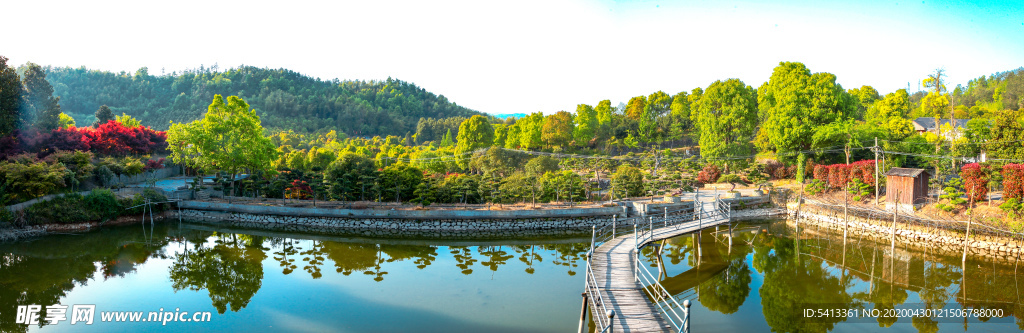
792	271
231	268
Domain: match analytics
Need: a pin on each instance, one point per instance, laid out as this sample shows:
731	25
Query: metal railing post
611	317
613	226
686	320
593	235
666	215
650	220
636	242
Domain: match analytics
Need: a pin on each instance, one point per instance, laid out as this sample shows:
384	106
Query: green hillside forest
284	99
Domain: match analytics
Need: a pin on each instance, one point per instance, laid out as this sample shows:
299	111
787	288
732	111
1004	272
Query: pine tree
39	99
10	98
103	115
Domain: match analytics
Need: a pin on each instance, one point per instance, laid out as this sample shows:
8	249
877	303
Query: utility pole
876	171
846	193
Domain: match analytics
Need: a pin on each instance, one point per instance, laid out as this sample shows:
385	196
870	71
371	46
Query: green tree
10	99
474	133
603	112
794	102
889	114
128	121
530	130
557	129
865	97
635	107
586	124
103	115
540	165
39	99
1007	130
229	137
728	116
628	181
400	180
65	120
679	116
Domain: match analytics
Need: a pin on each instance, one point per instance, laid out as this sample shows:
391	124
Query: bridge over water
622	294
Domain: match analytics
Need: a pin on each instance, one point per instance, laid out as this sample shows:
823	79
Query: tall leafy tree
865	97
557	129
889	114
530	130
586	124
1007	131
229	137
794	102
10	98
635	108
679	116
39	99
474	133
604	113
728	118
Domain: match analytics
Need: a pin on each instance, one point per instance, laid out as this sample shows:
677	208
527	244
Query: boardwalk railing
677	314
644	228
599	236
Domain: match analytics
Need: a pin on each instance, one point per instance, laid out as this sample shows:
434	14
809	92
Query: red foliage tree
1013	181
821	172
975	180
154	165
709	175
863	170
838	175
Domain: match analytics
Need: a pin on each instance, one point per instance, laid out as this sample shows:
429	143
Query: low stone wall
940	239
388	227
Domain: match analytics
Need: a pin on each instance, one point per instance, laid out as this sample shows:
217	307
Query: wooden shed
910	184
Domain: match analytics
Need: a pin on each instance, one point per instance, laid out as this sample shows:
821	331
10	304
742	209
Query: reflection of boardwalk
614	267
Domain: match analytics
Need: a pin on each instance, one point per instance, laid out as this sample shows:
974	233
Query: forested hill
283	98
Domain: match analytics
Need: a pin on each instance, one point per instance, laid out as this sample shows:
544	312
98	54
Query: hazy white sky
526	55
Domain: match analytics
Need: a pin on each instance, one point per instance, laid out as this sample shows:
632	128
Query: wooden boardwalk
613	265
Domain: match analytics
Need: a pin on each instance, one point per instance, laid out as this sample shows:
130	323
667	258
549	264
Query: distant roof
904	172
928	123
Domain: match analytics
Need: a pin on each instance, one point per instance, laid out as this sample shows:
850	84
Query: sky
525	56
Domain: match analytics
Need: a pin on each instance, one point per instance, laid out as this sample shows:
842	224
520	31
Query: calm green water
772	274
259	281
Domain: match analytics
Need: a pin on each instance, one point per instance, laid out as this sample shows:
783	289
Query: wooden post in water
895	213
970	220
583	314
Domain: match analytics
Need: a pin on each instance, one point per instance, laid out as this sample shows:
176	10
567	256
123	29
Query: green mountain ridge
284	99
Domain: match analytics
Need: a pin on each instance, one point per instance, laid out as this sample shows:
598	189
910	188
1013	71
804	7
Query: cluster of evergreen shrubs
98	205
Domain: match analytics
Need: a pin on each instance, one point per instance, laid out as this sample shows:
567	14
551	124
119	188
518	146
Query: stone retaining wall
940	239
384	227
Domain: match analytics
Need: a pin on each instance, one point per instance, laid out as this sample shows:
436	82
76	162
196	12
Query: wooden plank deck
613	268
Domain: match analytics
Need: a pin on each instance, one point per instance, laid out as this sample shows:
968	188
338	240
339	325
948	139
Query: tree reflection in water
231	271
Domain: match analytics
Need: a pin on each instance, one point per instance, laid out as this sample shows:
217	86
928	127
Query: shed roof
904	172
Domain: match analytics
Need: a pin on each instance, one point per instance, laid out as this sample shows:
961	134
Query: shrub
838	175
820	172
863	170
1013	181
63	209
27	178
815	187
103	203
709	175
776	170
975	180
